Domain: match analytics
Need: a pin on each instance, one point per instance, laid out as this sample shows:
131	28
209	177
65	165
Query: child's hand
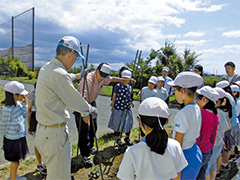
24	99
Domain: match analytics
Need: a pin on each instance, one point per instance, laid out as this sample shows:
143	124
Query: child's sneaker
93	150
128	141
119	143
87	160
42	169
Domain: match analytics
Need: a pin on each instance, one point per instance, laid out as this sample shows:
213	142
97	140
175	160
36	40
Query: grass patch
2	95
211	80
20	79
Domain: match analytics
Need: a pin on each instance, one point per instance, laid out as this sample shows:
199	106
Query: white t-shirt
188	122
238	106
222	126
139	162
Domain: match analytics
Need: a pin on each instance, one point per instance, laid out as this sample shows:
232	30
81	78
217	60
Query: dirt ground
109	155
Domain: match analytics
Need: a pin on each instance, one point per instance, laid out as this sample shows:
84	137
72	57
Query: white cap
165	69
15	87
153	80
209	93
222	84
221	92
160	78
154	107
127	74
237	83
104	69
234	88
187	80
72	43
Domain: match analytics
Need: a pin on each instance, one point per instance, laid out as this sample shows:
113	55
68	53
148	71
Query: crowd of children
207	128
206	132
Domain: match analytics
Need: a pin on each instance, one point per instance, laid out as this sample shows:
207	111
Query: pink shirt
94	86
208	130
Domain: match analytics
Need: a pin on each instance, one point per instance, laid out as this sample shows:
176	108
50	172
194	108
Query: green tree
167	56
190	59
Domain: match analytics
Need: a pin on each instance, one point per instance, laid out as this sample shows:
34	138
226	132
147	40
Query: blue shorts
193	156
212	164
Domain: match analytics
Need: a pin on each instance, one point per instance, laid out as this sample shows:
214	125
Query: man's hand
83	73
86	119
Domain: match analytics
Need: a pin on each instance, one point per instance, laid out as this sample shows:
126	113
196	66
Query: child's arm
140	94
179	137
4	123
30	103
113	100
25	107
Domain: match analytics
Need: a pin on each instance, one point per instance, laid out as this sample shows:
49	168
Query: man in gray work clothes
54	92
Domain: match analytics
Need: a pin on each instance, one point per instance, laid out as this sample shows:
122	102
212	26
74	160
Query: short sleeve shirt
188	122
123	96
162	93
139	162
148	93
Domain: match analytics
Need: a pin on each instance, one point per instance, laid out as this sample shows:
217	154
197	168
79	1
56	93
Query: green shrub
31	75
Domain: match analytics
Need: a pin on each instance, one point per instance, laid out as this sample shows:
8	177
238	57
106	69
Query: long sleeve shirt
54	92
12	125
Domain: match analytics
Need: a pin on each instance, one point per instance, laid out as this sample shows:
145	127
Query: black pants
86	133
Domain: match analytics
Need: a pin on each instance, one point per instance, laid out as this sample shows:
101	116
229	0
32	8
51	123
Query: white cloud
194	34
191	43
233	34
198	5
226	49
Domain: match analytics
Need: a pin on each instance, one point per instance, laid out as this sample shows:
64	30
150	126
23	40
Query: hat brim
80	55
24	92
151	81
171	83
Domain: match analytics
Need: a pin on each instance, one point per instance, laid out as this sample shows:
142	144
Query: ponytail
157	140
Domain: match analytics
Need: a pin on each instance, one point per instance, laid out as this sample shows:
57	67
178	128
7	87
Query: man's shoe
19	178
87	160
128	141
93	150
119	143
42	169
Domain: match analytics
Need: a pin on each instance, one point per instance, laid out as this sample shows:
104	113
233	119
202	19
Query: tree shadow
106	157
35	175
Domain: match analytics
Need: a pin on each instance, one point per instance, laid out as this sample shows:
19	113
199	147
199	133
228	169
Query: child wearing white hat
121	119
149	91
235	127
157	156
206	99
235	92
224	110
161	91
12	125
188	121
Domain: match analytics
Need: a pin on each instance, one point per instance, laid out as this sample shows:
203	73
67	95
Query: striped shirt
12	125
31	97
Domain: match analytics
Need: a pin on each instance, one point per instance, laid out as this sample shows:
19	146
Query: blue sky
115	29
